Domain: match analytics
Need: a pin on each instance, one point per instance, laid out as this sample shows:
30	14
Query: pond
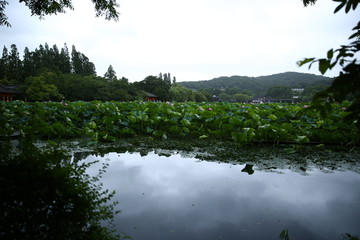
177	195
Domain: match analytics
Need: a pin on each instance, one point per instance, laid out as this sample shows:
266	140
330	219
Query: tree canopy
41	8
110	74
281	92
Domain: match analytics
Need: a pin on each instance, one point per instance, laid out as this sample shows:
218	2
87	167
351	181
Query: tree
180	94
28	64
119	90
110	74
308	2
38	90
309	92
206	94
239	97
4	63
14	65
224	97
279	92
200	97
347	84
159	87
41	8
81	64
169	78
47	195
3	17
64	60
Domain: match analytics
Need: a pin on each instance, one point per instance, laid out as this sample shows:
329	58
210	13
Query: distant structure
297	92
8	93
150	97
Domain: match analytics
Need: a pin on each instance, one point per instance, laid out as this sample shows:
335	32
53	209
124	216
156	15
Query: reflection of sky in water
182	198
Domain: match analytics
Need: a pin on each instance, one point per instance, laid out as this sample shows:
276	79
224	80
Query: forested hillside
50	73
260	85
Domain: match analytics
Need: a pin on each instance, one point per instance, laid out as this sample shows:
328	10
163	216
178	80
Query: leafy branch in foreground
284	235
347	85
42	8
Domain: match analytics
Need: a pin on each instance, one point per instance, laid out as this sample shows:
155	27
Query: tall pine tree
15	65
81	64
110	74
4	63
28	64
65	60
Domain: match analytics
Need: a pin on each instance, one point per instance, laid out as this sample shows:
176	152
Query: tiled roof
8	89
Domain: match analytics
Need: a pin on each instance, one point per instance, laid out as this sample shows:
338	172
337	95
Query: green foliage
279	92
46	195
38	90
110	74
310	92
346	86
224	97
200	97
156	85
239	97
348	236
180	94
10	64
81	64
307	2
3	17
284	235
258	86
41	60
42	8
242	123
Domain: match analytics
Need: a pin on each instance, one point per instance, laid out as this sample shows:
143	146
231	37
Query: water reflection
46	195
184	198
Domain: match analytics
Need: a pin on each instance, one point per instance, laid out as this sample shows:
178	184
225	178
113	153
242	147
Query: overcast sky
191	39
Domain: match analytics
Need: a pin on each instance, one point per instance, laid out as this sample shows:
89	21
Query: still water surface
180	197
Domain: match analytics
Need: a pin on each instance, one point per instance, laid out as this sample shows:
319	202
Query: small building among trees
150	97
9	93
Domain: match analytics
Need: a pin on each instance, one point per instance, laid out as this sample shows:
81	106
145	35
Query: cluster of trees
284	92
50	73
227	94
168	90
73	87
43	59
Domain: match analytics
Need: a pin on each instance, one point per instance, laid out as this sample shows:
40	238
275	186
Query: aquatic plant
242	123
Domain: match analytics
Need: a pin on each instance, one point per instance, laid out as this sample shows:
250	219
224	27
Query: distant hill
260	85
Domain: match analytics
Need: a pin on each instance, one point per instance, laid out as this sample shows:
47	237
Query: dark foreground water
175	197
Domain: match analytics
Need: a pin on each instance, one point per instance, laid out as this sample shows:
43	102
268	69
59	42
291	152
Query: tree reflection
248	169
46	195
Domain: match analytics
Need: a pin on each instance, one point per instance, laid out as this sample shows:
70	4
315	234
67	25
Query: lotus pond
241	123
179	171
224	191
